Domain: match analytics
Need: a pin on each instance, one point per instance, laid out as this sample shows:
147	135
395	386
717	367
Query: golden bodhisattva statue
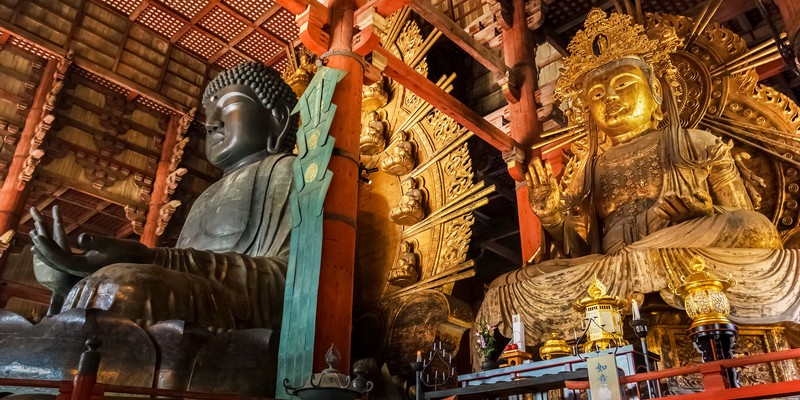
641	196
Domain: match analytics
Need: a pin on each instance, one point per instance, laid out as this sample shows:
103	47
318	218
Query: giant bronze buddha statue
640	197
228	270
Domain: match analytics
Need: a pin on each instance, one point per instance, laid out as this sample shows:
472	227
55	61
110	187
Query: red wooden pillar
518	46
335	300
12	199
159	196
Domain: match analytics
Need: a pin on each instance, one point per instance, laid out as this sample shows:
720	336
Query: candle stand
422	364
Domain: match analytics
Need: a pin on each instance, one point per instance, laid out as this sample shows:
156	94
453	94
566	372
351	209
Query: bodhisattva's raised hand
681	207
98	252
543	192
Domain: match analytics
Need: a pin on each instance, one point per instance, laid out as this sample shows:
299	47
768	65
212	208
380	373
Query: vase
487	364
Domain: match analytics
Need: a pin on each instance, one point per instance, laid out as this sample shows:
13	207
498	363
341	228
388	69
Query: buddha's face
621	102
236	124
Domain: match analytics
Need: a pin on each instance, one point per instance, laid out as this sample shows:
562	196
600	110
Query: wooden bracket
503	11
295	7
515	161
534	16
510	85
372	25
311	23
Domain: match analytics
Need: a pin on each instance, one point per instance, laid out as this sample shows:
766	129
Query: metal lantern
603	318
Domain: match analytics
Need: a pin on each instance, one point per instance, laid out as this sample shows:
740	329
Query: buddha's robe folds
230	265
645	253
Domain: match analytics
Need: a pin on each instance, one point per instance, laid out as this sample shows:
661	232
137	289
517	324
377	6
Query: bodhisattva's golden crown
605	39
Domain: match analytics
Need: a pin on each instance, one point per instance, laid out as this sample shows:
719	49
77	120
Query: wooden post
12	199
790	11
159	196
519	46
89	364
335	300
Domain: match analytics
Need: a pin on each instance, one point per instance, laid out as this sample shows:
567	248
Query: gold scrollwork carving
458	169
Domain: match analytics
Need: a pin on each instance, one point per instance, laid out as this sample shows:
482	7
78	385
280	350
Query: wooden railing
715	385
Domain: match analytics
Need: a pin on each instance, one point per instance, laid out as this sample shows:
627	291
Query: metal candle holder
422	363
641	328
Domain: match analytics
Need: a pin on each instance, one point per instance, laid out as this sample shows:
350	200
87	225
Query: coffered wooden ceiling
221	32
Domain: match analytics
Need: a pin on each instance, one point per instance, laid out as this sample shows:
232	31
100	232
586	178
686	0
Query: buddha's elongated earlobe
280	113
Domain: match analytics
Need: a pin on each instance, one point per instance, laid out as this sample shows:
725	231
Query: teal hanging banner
312	178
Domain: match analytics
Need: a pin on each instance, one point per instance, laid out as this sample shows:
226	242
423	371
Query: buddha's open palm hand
543	191
677	207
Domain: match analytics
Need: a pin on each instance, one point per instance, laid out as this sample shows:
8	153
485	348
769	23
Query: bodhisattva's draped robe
230	265
644	252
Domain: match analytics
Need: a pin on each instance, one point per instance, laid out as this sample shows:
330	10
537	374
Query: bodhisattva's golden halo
607	39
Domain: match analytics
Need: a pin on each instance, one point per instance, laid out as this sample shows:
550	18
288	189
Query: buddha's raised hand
543	191
98	251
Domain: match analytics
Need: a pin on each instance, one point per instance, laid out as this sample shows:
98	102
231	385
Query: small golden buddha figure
641	196
404	272
411	209
371	140
401	161
299	78
373	96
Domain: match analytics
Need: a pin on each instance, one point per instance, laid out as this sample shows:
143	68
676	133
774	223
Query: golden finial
698	264
596	289
606	39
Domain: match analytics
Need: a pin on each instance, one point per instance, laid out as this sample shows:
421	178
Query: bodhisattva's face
621	102
236	125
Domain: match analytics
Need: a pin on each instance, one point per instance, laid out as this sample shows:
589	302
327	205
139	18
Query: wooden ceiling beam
250	25
94	132
76	24
139	10
88	207
86	217
89	190
109	159
197	17
94	68
428	91
205	32
121	49
459	36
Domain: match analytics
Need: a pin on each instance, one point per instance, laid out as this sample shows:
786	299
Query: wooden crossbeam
86	217
447	26
441	100
88	189
184	21
197	17
10	289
